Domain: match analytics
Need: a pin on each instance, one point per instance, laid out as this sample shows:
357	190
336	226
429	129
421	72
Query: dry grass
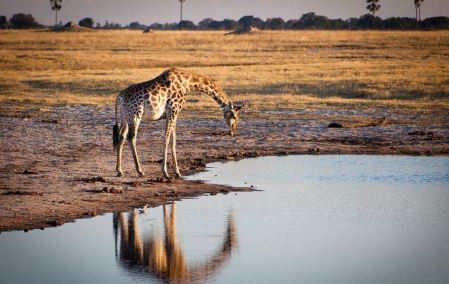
270	70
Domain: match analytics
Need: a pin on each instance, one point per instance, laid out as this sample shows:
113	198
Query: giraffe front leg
132	138
173	151
168	131
121	140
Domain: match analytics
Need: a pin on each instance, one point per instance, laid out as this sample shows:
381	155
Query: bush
86	22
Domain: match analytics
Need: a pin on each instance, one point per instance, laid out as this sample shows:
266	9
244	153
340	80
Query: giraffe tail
115	130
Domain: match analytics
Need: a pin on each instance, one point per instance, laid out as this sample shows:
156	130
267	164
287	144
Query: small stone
28	172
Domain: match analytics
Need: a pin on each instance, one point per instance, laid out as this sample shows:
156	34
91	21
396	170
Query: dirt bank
57	164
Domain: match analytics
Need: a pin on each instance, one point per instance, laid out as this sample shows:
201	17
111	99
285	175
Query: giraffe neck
205	85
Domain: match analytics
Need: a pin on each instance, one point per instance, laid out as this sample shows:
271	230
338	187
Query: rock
112	190
94	179
134	183
28	172
55	223
335	125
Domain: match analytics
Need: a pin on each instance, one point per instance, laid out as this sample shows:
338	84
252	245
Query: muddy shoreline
58	164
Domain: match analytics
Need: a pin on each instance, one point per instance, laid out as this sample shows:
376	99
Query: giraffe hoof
119	174
178	175
141	174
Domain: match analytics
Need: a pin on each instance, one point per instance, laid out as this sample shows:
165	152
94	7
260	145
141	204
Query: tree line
306	21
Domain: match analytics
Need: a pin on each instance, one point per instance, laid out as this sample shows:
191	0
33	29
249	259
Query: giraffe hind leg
121	139
168	130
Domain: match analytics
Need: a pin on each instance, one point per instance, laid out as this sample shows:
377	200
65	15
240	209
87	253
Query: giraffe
163	97
162	255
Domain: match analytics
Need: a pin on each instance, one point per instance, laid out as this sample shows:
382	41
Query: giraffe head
231	116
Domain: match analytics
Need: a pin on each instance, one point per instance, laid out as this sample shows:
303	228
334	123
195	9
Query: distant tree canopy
86	22
3	22
23	21
136	26
369	21
436	23
187	25
274	24
250	21
312	21
204	23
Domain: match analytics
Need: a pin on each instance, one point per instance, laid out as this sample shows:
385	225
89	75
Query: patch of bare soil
58	165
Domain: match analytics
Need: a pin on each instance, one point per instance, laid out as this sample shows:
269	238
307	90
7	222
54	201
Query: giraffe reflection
163	257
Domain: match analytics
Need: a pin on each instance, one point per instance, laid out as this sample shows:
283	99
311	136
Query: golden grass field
270	70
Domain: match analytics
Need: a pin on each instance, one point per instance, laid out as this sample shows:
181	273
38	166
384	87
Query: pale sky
150	11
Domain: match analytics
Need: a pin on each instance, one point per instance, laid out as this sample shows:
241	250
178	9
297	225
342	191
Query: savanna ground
389	90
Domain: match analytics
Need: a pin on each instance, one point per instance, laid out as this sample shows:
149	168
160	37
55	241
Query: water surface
320	219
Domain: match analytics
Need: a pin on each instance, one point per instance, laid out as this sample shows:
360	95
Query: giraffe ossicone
163	97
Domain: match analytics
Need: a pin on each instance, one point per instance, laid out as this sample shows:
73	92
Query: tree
230	24
180	18
397	23
204	23
22	21
313	21
86	22
156	26
133	25
247	22
274	24
418	9
3	22
368	21
215	25
56	5
436	23
187	25
373	6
